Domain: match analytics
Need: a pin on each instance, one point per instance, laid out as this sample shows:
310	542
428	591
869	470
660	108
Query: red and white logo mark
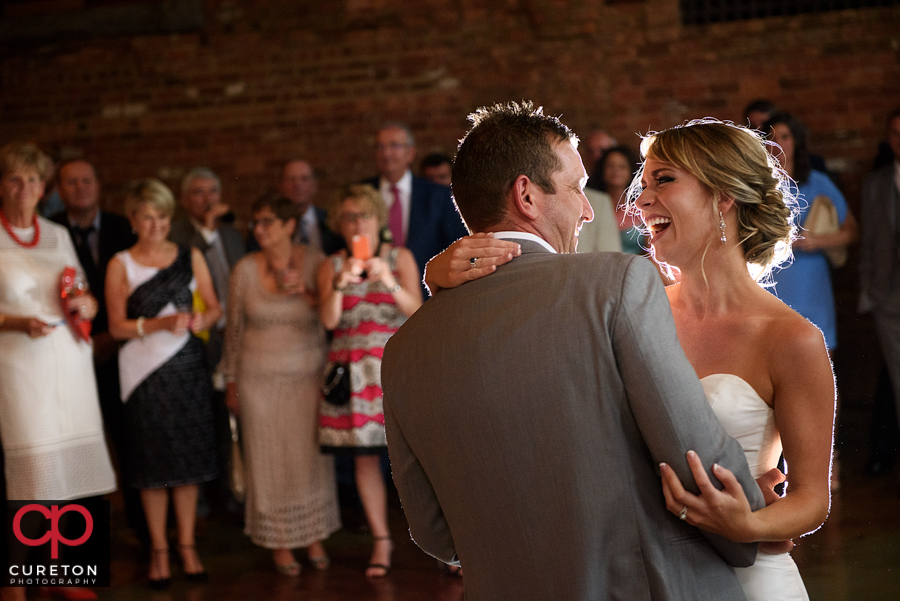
53	514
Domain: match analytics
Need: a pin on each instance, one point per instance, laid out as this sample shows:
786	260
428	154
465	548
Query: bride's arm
454	267
804	414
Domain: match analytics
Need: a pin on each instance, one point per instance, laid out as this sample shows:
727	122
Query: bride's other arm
804	405
454	266
804	414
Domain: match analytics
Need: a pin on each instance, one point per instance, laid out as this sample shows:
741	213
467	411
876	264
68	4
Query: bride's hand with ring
726	512
467	259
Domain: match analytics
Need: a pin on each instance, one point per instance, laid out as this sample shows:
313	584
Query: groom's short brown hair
506	141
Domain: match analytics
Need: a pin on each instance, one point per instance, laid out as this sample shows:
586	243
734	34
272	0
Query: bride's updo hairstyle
730	160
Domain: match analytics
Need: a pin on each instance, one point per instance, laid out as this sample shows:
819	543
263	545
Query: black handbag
337	385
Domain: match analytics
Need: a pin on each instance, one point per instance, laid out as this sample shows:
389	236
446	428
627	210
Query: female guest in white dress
274	355
50	420
715	204
163	376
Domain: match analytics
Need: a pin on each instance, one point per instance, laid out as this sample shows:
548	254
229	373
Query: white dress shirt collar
513	235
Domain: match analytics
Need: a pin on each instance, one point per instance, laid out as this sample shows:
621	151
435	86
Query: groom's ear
523	200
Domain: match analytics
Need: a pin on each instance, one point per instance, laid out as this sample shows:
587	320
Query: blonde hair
732	161
151	192
369	197
25	154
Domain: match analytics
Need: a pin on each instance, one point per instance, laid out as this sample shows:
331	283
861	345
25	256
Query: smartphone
360	248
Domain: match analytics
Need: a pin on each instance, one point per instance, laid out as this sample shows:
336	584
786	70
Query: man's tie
85	256
395	218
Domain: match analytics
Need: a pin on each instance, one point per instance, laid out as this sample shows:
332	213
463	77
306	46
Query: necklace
16	239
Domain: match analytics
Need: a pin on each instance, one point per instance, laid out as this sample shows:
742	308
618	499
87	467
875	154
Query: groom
527	412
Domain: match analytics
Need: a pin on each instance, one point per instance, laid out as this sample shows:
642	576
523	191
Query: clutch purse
822	218
336	387
236	469
72	286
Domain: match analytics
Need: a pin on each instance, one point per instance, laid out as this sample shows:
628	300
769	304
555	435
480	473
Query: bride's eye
664	179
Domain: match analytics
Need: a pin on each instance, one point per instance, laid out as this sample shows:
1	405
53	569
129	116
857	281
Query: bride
715	204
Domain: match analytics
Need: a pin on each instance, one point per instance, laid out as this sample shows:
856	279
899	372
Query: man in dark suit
879	281
299	184
97	236
527	412
421	214
201	226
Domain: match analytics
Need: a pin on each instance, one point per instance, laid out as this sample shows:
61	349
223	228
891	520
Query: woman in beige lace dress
274	355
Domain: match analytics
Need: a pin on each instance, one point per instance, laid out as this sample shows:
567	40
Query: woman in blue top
805	284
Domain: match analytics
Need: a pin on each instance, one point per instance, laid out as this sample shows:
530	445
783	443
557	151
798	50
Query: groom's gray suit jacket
526	415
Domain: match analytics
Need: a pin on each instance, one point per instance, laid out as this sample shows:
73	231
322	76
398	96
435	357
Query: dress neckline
739	379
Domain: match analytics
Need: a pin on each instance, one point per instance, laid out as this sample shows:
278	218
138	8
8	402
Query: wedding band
682	515
472	263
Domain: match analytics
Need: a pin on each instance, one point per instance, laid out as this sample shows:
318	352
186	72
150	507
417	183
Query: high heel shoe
322	562
290	569
381	569
159	584
200	576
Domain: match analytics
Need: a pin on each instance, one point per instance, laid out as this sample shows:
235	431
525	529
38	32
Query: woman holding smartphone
366	295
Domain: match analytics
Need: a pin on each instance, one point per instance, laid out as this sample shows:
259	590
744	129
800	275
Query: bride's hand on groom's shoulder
467	259
726	512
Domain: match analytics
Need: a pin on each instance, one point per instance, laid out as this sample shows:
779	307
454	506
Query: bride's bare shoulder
793	338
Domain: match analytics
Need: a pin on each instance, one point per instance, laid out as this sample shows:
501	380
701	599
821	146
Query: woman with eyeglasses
366	294
274	354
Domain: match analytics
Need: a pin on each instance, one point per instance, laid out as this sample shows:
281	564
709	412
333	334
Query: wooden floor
854	557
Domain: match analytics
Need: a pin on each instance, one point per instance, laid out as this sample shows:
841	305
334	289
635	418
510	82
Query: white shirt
310	225
512	235
404	186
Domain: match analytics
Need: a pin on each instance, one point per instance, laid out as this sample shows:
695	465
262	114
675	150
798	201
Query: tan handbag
822	218
236	467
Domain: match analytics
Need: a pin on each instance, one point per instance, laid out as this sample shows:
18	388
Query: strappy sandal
385	569
321	562
200	576
159	584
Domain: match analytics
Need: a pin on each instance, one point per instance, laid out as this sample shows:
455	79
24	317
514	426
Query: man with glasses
421	214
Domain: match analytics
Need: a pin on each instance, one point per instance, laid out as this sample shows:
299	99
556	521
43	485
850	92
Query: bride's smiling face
678	211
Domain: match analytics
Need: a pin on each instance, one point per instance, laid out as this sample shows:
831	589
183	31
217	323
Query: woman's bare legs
372	492
184	498
156	508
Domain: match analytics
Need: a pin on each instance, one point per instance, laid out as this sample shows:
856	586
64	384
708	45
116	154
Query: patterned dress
168	414
274	352
369	317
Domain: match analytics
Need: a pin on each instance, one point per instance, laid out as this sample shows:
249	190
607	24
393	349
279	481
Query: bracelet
140	328
396	288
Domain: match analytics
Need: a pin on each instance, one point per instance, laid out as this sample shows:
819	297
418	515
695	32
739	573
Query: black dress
169	415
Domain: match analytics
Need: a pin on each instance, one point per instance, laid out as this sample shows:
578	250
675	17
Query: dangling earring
723	239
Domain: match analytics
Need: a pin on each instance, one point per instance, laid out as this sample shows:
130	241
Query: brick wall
264	81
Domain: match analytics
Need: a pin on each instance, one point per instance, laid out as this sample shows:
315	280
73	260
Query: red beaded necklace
16	239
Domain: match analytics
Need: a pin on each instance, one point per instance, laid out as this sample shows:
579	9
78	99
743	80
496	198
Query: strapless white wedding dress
751	422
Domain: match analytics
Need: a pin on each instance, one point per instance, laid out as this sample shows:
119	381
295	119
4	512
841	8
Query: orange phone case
360	248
